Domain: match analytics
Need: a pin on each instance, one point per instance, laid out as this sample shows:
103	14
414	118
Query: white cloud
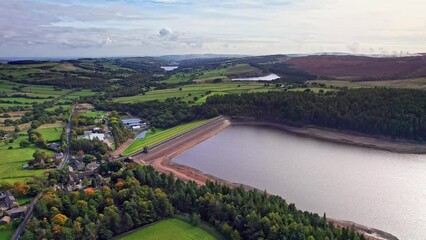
237	26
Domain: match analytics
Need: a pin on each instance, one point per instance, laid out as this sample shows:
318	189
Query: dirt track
123	147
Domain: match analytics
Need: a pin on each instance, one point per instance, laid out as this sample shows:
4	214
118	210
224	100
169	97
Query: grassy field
188	92
25	100
92	114
184	77
171	229
78	94
203	76
6	234
160	135
51	134
12	160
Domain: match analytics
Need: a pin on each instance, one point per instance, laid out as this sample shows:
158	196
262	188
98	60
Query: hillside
358	67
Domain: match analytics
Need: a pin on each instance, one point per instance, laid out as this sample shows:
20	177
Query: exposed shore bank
161	157
343	137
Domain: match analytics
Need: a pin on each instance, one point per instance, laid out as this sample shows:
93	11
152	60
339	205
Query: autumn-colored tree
59	219
119	184
20	189
90	191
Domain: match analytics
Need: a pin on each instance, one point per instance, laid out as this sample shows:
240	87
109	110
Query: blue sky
157	27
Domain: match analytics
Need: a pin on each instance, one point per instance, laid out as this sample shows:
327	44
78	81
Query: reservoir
269	77
375	188
169	68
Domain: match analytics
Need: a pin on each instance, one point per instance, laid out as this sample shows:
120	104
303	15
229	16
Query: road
28	216
67	155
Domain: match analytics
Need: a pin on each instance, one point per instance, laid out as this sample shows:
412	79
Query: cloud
241	26
165	32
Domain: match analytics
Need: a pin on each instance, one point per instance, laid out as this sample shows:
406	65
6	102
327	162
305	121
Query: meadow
51	134
159	135
202	76
193	92
6	232
171	229
12	160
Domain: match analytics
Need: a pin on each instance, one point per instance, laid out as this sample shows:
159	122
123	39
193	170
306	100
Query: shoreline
342	137
161	157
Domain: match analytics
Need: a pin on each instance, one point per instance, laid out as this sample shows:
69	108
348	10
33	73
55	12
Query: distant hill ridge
362	66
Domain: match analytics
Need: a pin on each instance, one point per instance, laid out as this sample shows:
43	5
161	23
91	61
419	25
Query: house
58	156
10	200
90	135
54	146
5	220
92	166
17	212
79	165
97	130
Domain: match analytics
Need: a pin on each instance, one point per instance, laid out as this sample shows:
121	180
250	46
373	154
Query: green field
25	100
51	134
160	135
211	74
188	92
81	93
171	229
12	160
184	77
6	234
94	114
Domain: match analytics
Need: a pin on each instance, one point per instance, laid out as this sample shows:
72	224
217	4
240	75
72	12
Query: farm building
9	200
90	135
5	220
133	123
17	212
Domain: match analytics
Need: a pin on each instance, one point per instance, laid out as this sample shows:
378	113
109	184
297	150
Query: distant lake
269	77
375	188
169	68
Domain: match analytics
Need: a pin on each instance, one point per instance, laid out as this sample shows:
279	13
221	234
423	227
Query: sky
102	28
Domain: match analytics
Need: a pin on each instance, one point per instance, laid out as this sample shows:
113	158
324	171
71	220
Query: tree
195	219
59	219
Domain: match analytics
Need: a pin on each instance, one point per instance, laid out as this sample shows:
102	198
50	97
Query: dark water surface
375	188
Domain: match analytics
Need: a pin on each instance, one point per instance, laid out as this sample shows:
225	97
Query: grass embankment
172	229
160	135
194	92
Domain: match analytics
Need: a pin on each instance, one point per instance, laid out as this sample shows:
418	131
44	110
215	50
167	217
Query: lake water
141	134
375	188
169	68
269	77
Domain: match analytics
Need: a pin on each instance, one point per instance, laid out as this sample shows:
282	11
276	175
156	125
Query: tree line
396	113
139	195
